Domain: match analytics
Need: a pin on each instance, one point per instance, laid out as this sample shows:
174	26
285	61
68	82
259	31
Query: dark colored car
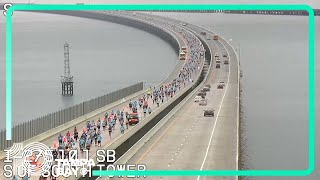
206	89
208	85
220	85
203	102
203	95
203	91
208	112
225	55
218	66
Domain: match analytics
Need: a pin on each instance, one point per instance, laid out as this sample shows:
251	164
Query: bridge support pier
67	88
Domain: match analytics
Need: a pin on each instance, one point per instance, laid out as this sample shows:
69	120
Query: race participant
110	130
127	123
104	123
60	139
122	129
88	144
75	133
106	115
98	124
144	111
99	138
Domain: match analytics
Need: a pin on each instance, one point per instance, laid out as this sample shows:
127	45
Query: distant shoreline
256	12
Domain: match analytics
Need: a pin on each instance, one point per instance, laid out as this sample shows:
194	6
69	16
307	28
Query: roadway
190	141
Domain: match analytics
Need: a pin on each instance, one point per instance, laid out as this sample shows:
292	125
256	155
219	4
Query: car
208	85
206	89
215	37
203	33
197	98
218	61
203	91
216	55
220	85
225	55
201	94
226	62
133	118
208	112
218	66
203	102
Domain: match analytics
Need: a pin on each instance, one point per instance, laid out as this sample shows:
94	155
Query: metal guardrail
27	130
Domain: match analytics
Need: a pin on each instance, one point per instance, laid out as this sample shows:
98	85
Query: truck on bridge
215	37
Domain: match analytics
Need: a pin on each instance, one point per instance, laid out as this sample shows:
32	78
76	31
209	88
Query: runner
82	144
110	131
68	134
88	144
104	123
54	154
127	123
99	138
113	122
88	125
75	133
157	102
122	129
149	110
96	138
60	139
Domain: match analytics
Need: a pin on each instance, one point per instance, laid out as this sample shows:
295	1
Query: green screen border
133	7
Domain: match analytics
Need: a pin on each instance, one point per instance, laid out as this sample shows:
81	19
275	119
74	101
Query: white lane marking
238	110
215	123
238	106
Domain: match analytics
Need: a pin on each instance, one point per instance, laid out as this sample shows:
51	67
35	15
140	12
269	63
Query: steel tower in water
67	79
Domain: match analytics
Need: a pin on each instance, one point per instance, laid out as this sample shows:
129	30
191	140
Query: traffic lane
176	140
234	65
224	148
192	156
166	153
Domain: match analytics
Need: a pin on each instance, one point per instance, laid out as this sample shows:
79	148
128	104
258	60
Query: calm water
274	60
103	57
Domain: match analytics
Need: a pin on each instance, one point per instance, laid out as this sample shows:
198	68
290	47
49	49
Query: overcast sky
312	3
